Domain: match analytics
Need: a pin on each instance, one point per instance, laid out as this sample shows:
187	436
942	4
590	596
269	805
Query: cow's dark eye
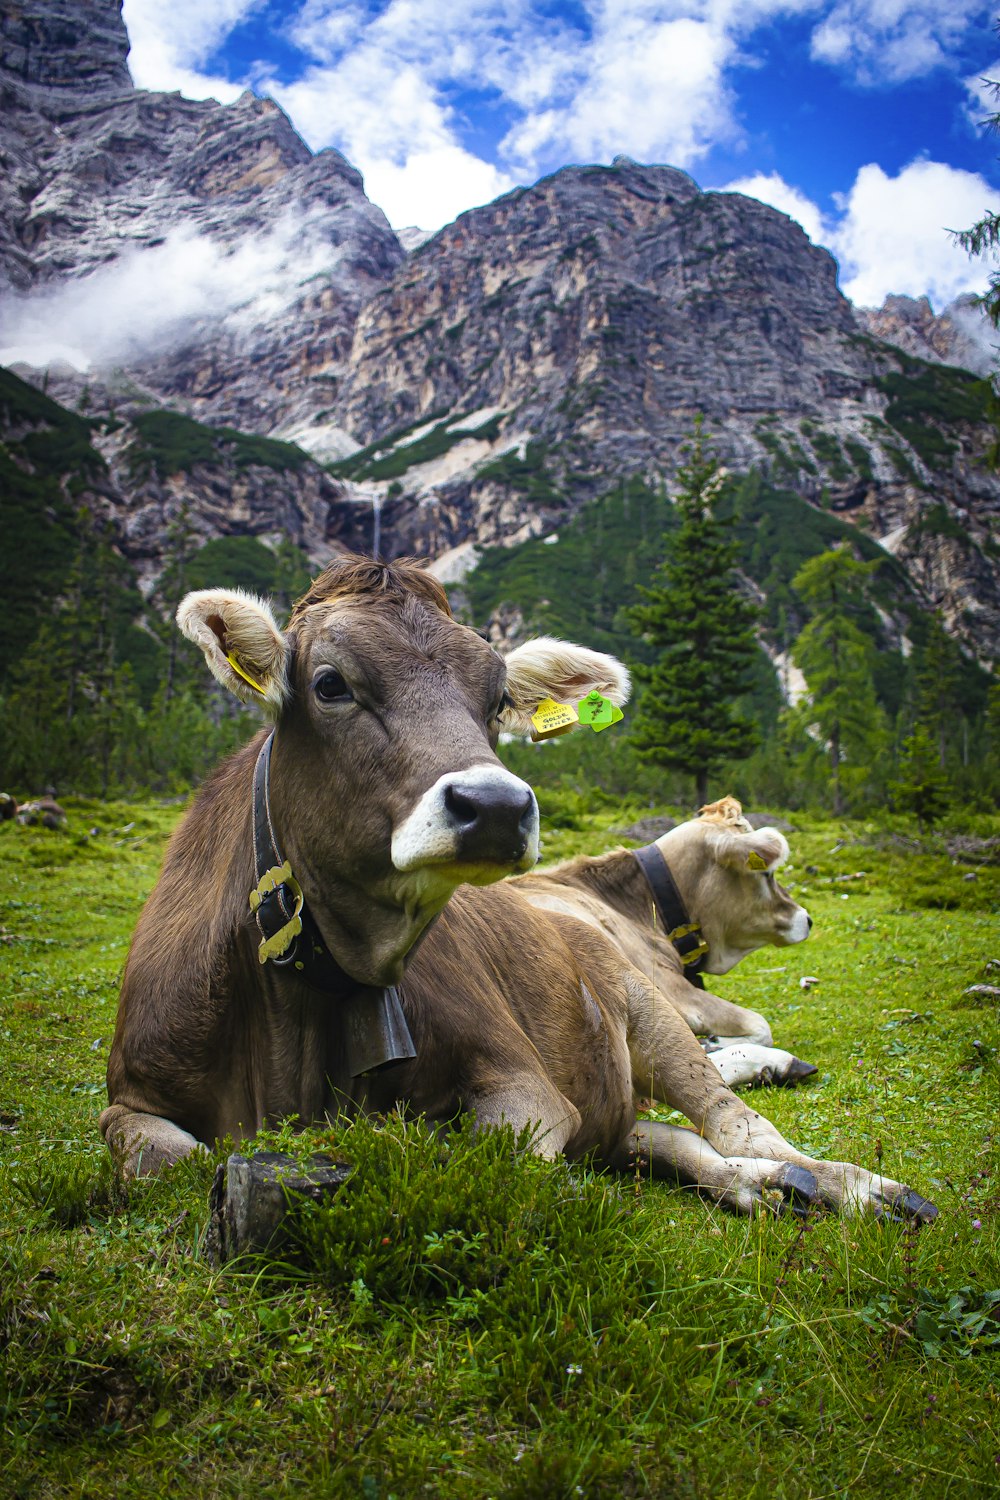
505	702
330	687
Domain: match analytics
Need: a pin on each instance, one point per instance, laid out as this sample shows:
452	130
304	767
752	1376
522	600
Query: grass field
467	1321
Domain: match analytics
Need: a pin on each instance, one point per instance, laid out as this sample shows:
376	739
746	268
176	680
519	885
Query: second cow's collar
686	936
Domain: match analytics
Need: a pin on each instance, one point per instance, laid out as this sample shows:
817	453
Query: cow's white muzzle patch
482	816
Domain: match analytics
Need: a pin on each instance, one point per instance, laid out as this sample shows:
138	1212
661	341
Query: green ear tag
616	718
755	862
595	710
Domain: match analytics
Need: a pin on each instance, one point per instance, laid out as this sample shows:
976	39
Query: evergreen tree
938	684
703	631
922	787
984	235
837	660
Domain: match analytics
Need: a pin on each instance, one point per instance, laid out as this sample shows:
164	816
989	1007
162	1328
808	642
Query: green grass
468	1321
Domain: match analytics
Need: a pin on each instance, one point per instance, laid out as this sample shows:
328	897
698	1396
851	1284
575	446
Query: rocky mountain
483	388
959	335
209	256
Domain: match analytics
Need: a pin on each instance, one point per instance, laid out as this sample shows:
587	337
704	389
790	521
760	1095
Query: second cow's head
385	786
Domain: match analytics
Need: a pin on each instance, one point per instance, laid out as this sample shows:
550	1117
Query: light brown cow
726	895
381	794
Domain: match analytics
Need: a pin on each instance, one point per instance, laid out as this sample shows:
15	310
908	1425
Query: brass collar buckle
279	942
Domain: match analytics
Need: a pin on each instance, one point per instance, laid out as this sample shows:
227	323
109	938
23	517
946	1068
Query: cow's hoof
908	1208
795	1072
913	1206
799	1188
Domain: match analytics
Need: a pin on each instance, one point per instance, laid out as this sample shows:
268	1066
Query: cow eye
330	687
504	702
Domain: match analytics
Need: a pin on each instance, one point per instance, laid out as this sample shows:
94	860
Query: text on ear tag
755	862
616	718
595	710
551	718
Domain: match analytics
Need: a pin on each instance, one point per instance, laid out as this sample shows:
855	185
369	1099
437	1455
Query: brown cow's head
385	788
725	871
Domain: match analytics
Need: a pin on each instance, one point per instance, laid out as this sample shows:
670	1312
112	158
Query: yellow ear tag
755	862
616	718
551	718
231	659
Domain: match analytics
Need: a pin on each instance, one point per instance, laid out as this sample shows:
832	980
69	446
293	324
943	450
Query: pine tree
922	787
938	684
837	660
704	632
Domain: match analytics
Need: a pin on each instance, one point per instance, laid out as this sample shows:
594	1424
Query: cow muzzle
482	816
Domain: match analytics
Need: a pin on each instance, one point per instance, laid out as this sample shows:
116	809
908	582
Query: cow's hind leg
748	1064
526	1101
142	1144
744	1186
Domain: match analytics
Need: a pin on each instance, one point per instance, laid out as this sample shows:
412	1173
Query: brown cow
722	895
524	1016
376	795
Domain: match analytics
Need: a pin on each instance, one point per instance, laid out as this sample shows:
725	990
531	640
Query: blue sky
858	117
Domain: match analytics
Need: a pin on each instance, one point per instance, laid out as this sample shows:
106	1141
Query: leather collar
685	935
375	1030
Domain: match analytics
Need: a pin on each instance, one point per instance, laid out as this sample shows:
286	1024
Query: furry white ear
763	850
547	668
243	646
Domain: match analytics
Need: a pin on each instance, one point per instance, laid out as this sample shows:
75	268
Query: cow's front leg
710	1015
142	1144
669	1064
746	1064
526	1101
744	1187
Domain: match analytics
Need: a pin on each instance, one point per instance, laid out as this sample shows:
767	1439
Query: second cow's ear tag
595	710
551	718
616	718
755	862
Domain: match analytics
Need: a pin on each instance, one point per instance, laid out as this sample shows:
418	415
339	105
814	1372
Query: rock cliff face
265	251
960	335
521	362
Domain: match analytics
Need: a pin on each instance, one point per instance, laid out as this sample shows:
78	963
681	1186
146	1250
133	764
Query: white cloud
893	233
651	87
890	41
772	189
169	42
151	298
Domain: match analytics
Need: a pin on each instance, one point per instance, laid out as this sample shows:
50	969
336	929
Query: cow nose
493	821
809	922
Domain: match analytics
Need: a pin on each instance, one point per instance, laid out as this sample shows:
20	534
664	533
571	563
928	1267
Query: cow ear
547	668
243	646
750	853
727	810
